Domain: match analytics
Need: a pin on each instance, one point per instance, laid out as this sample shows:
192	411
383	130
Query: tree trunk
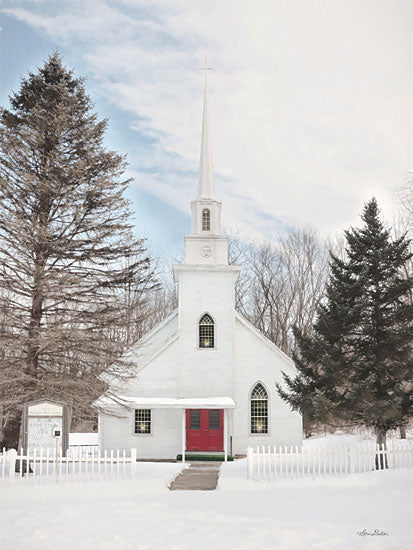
11	431
381	459
402	432
36	315
1	426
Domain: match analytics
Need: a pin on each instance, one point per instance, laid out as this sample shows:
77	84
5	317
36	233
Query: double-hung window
142	421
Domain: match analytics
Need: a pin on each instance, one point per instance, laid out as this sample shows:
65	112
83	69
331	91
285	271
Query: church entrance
204	430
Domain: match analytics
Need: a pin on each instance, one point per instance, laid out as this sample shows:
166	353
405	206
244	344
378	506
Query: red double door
204	430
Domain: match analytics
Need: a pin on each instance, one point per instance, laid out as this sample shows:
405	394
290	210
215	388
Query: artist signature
375	533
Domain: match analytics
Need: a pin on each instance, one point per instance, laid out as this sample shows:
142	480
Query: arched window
206	332
259	410
206	219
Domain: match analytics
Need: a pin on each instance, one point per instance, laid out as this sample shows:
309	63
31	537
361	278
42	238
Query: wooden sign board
40	420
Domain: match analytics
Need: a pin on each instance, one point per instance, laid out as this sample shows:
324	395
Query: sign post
57	434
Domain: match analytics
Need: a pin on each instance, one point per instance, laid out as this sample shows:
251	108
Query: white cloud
311	101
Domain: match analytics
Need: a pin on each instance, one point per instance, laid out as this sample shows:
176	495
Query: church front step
218	457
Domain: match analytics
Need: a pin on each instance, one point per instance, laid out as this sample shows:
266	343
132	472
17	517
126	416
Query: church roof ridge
151	332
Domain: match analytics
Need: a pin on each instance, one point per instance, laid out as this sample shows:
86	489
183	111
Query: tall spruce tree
64	238
357	366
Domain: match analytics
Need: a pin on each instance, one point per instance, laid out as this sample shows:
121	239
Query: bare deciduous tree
281	283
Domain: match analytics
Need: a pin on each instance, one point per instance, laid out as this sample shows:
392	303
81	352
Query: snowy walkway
200	476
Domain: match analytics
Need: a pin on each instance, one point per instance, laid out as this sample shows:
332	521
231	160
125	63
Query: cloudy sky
311	101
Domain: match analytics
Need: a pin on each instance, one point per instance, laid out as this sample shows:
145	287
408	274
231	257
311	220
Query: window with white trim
259	410
206	332
142	421
206	219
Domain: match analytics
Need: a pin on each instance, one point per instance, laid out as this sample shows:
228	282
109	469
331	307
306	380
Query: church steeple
205	244
206	189
206	210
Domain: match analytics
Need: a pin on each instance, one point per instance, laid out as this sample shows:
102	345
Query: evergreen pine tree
66	246
357	366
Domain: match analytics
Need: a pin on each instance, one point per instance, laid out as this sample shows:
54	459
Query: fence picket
258	463
290	461
275	462
312	462
60	460
11	459
263	462
41	463
250	463
379	456
296	461
3	466
324	461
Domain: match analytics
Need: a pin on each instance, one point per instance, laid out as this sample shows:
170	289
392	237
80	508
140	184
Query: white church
205	377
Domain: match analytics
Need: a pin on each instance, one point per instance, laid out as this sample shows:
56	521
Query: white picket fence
267	463
82	450
43	465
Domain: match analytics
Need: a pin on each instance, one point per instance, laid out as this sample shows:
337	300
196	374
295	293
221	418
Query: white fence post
250	458
258	463
3	460
133	463
11	456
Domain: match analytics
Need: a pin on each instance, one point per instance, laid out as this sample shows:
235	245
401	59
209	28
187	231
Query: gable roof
147	355
154	330
265	340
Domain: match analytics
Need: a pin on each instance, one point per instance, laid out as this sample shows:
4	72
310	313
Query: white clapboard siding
44	465
266	463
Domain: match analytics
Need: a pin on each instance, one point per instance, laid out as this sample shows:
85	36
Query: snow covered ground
324	513
343	438
142	514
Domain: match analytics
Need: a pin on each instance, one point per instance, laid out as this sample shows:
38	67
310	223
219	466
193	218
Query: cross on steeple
205	67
